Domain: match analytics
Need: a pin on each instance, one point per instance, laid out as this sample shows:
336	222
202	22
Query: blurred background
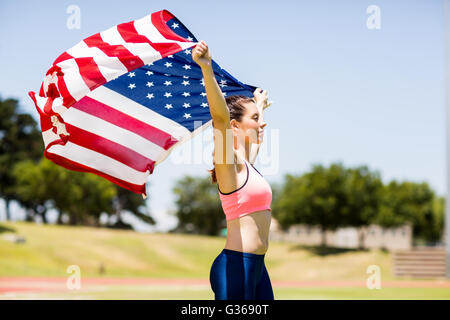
355	153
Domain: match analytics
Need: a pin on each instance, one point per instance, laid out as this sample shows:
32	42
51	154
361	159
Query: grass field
296	272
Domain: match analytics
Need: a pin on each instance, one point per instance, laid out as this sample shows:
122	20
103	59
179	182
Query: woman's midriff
249	233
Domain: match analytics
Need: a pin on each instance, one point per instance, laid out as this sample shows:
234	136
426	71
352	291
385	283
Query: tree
330	198
363	190
437	225
82	196
315	198
132	202
31	189
20	139
198	206
335	197
415	203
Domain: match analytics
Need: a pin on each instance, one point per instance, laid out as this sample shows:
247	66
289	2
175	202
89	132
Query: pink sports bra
254	195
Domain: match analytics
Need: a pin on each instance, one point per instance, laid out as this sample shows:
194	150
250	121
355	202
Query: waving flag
118	102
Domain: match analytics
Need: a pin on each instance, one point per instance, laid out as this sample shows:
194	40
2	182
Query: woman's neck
243	150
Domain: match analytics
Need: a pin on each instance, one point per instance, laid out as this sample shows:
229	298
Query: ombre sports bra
254	195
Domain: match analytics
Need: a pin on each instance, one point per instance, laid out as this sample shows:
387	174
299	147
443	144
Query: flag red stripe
129	34
64	93
109	148
90	72
62	57
46	122
41	91
129	60
120	119
72	165
159	20
68	100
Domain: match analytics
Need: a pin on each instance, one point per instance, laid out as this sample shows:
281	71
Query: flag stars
187	67
131	74
186	94
149	73
132	86
189	38
175	25
167	95
187	51
149	84
150	96
202	82
170	56
187	115
204	105
223	83
186	105
168	106
203	94
168	64
168	83
185	83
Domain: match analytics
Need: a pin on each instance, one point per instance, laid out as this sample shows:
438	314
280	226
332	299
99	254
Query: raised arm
217	105
223	147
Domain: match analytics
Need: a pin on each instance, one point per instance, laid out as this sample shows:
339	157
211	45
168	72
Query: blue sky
342	92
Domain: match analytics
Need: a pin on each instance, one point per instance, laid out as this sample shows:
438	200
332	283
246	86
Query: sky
342	92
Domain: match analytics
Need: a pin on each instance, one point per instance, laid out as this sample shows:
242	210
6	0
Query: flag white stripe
185	45
49	136
72	77
99	162
110	67
143	50
57	105
146	28
112	132
135	110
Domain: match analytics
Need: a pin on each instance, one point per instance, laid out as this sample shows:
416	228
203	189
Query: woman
239	271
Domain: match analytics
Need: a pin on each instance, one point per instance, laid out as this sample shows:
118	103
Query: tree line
38	185
328	197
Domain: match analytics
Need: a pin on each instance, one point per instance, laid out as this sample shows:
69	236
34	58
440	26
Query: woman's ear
234	124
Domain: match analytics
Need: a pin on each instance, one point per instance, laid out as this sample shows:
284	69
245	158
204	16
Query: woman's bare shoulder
227	174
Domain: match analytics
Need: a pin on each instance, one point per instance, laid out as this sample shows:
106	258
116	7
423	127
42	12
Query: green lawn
49	250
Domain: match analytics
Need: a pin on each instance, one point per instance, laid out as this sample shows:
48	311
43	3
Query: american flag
118	102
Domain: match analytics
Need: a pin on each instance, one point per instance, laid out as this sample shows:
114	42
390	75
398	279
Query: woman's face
251	127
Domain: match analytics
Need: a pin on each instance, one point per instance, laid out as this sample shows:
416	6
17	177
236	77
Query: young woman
238	272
